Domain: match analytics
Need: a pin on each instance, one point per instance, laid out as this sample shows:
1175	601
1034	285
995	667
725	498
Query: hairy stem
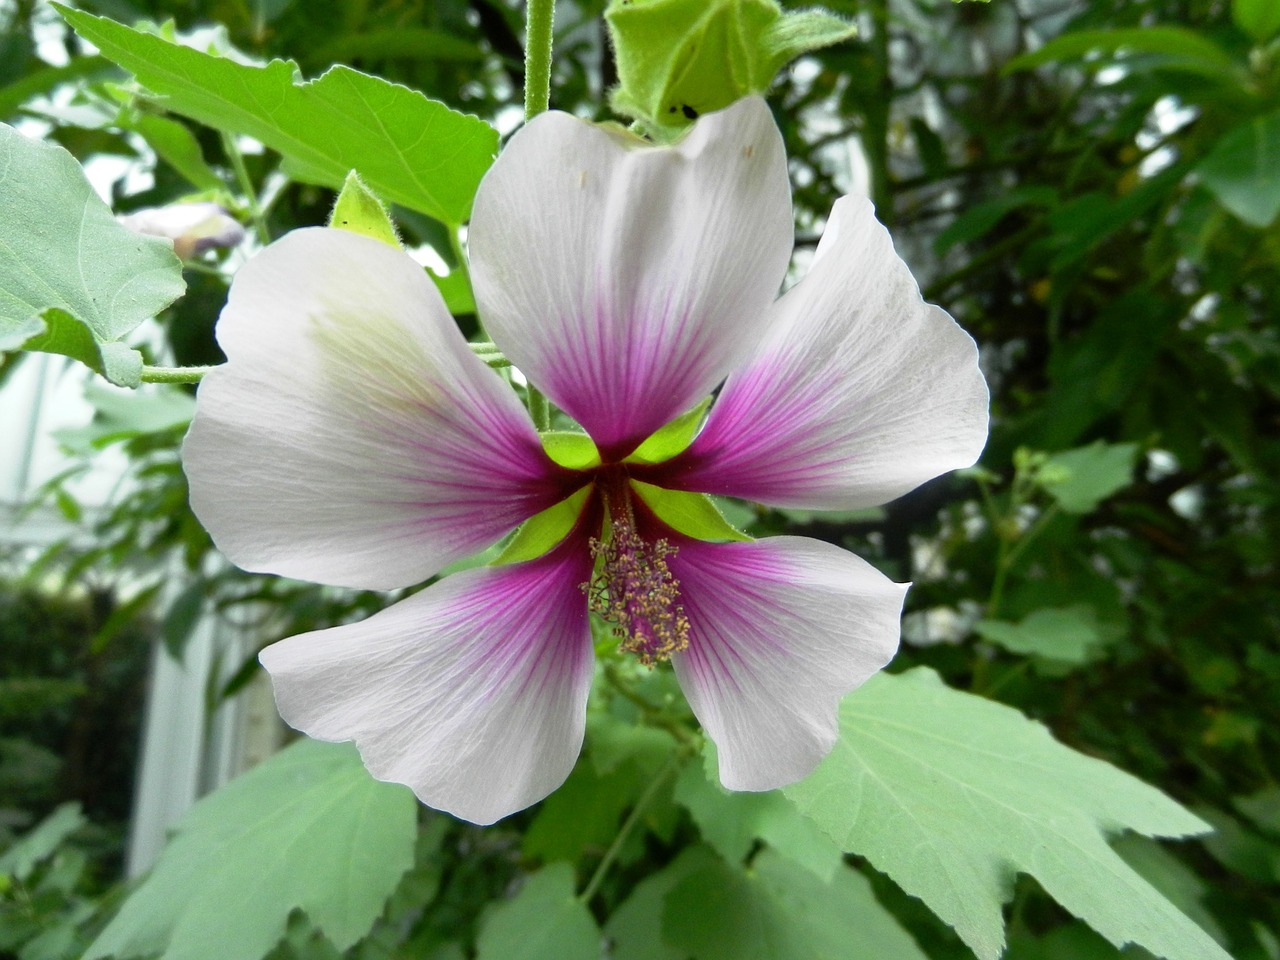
173	374
539	20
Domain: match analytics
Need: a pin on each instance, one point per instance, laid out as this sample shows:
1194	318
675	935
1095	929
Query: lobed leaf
544	921
776	910
411	150
73	281
953	795
307	830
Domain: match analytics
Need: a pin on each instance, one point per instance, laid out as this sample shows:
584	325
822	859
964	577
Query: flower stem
540	16
628	825
539	19
246	186
173	374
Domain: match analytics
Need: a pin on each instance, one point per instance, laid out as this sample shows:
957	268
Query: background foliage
1090	187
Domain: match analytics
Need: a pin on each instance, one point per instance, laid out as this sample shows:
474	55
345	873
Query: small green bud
679	59
358	210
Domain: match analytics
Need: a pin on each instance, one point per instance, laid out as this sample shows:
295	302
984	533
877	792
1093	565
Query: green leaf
693	514
576	451
42	842
731	821
621	760
175	145
673	438
1182	885
1243	170
634	927
46	79
358	210
72	280
307	830
64	334
1082	478
544	921
979	219
182	616
544	530
1260	19
1170	47
952	795
1065	634
411	150
455	287
779	911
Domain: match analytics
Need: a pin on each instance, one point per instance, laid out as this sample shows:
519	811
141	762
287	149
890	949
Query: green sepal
576	451
693	514
679	59
672	439
358	210
543	531
795	34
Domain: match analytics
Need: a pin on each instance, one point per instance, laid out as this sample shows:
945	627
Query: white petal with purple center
352	437
626	280
472	692
860	392
780	630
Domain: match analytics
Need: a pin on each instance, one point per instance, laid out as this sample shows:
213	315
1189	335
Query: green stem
539	409
246	187
173	374
539	21
624	831
1032	533
540	17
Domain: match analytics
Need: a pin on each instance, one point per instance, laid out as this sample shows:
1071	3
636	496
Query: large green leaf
308	829
72	280
544	921
411	150
952	796
732	821
1243	170
776	910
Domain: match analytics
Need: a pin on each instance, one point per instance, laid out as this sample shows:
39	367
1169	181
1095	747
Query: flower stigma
634	588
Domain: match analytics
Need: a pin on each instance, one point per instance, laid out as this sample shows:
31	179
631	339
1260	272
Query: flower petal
780	630
352	437
860	392
626	280
472	692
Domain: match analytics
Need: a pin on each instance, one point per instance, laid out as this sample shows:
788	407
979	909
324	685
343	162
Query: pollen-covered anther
636	591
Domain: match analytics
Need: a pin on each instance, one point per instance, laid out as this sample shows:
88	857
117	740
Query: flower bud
193	227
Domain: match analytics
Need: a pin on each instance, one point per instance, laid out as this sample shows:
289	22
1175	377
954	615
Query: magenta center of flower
633	587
